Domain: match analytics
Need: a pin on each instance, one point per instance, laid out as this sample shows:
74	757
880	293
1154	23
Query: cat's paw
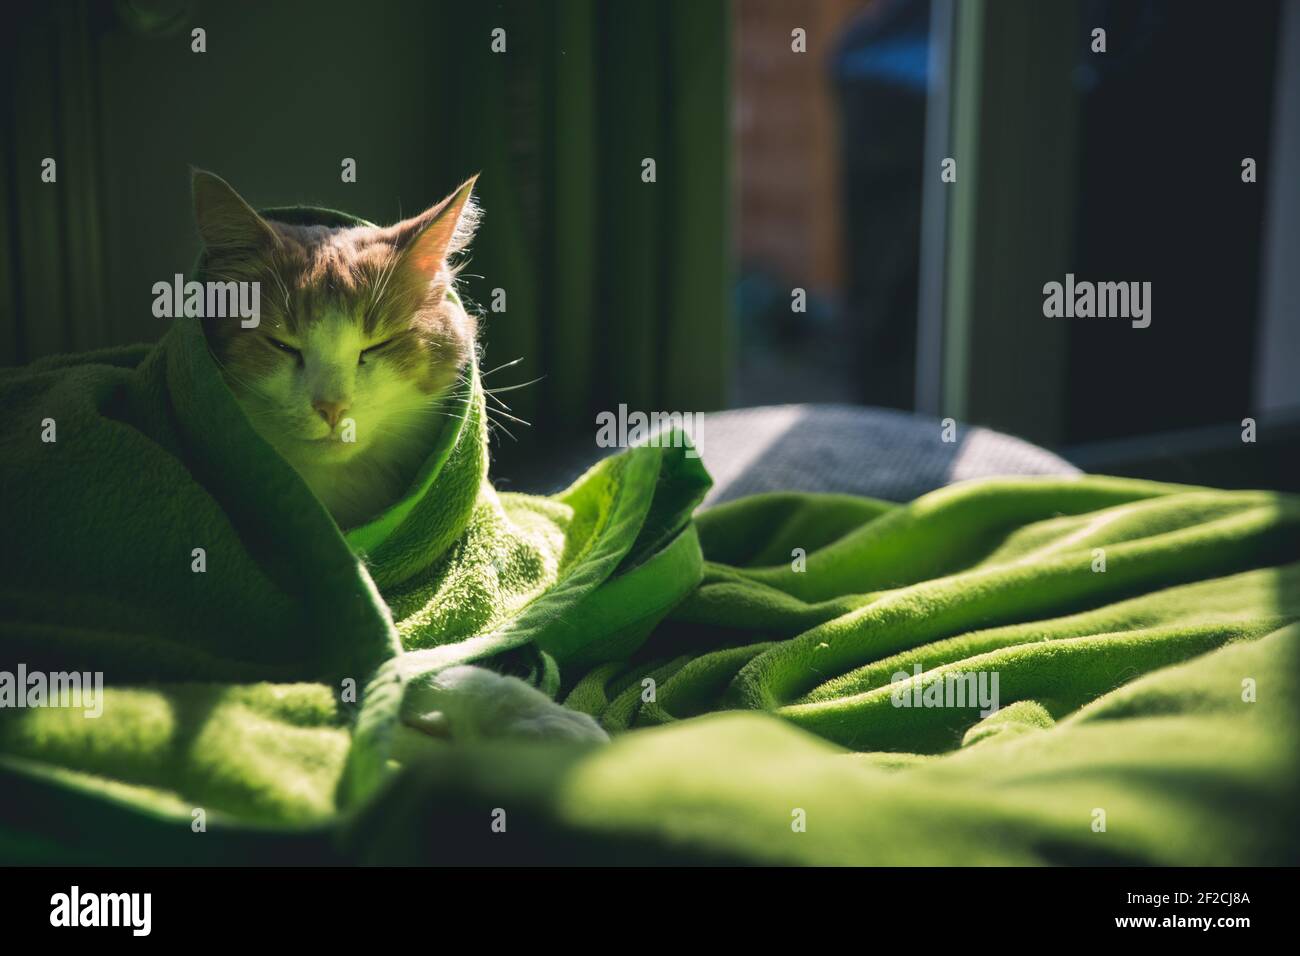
465	703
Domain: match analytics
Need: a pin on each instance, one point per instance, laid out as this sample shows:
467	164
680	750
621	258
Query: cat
358	330
348	372
463	704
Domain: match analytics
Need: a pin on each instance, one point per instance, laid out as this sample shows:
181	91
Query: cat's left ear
428	239
226	222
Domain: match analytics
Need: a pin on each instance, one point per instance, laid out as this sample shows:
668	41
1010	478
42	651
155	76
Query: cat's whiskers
491	394
493	423
514	388
380	288
459	403
490	411
284	290
493	371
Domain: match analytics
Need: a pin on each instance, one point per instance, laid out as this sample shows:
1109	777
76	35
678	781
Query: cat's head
357	336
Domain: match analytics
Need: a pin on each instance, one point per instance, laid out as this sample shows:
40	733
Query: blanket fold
1017	670
193	568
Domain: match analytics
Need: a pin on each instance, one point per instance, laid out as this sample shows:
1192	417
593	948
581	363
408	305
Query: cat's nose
330	411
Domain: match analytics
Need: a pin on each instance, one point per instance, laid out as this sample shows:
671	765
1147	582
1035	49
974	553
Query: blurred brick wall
787	148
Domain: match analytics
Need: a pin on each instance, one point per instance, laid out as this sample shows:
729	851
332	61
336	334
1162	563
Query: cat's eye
374	350
286	348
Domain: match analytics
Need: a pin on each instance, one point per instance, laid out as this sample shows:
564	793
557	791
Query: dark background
616	290
775	170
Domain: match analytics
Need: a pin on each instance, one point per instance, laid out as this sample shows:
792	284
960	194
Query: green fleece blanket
1017	670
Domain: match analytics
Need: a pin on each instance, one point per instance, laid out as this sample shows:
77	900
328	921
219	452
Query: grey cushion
841	448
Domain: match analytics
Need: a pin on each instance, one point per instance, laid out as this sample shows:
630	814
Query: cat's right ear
225	221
